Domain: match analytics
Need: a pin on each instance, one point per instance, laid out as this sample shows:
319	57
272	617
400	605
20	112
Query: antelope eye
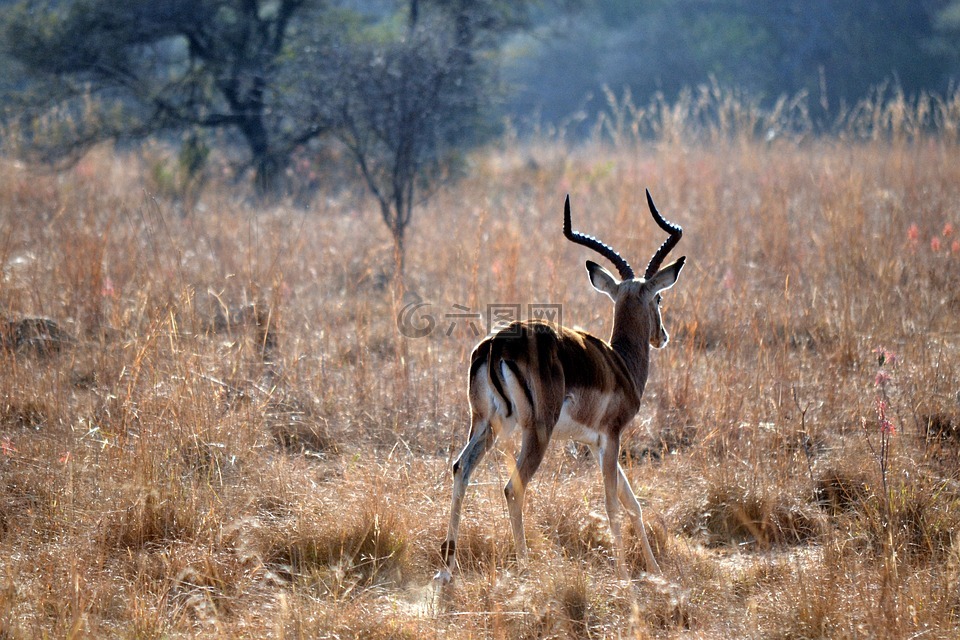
659	298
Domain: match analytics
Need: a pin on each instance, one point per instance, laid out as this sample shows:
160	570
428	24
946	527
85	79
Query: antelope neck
635	353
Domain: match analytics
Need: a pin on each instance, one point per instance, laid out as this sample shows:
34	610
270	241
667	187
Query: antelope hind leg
532	450
482	440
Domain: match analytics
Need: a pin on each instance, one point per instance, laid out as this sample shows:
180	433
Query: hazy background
303	96
837	52
561	54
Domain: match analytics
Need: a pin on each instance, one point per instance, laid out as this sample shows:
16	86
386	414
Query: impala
555	382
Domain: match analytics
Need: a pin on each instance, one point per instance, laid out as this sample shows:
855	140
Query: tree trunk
267	165
266	177
399	253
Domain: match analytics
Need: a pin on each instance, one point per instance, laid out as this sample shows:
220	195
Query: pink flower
955	247
934	244
886	425
884	356
7	448
947	230
913	233
882	378
108	290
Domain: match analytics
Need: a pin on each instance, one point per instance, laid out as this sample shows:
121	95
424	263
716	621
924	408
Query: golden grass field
229	437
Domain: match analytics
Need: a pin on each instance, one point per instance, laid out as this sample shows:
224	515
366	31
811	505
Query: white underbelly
568	428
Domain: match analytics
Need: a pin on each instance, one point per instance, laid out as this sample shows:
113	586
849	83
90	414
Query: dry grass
223	434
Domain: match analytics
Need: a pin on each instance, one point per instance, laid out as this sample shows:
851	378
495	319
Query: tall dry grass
225	435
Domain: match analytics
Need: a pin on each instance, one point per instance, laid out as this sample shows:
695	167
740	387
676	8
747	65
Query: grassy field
225	434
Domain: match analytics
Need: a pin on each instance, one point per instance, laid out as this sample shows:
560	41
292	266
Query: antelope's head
636	300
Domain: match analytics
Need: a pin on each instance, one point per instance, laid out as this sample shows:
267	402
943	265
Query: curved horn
626	271
675	232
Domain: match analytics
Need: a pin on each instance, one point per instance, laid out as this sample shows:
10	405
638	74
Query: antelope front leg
629	500
607	454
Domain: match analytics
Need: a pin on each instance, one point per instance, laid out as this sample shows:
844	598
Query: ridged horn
675	231
623	267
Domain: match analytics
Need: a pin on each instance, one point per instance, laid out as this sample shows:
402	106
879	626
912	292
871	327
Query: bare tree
406	107
401	112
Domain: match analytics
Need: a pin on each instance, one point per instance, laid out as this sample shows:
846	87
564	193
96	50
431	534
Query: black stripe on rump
493	370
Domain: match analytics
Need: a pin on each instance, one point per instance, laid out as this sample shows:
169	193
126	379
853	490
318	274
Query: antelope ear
667	276
602	280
